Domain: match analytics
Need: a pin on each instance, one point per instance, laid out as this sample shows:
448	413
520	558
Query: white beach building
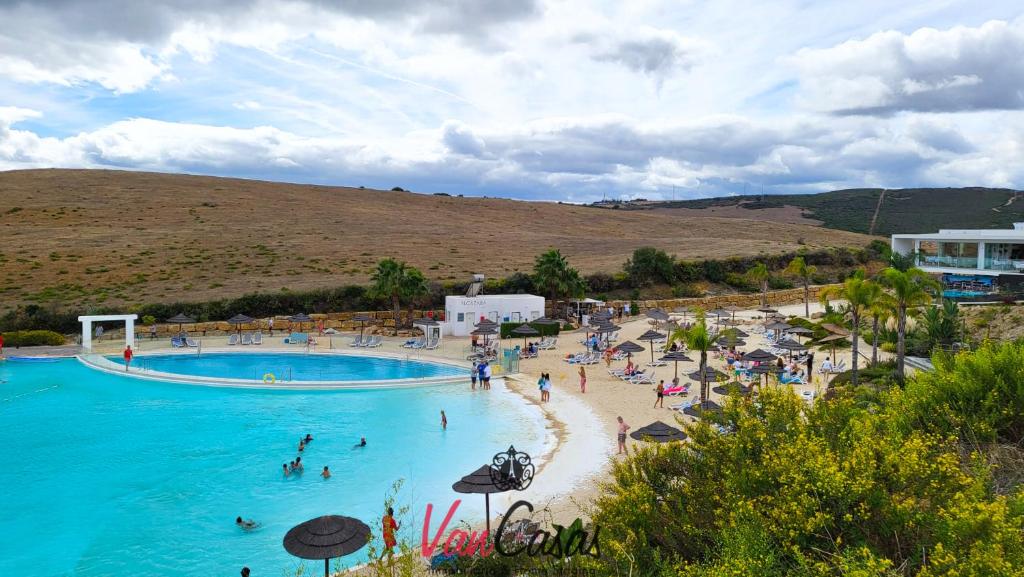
973	259
462	312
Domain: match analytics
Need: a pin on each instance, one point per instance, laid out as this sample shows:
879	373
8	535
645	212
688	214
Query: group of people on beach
481	371
544	384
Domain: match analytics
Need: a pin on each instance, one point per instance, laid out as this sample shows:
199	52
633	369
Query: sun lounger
257	339
644	379
657	364
191	343
297	339
375	341
176	342
356	342
433	344
233	339
246	338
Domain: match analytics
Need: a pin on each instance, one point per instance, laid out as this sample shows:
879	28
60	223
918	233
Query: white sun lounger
356	342
233	339
257	339
191	343
246	338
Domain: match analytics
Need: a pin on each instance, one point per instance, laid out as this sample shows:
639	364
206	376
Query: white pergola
87	320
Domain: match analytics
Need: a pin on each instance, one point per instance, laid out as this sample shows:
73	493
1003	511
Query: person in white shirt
826	366
487	376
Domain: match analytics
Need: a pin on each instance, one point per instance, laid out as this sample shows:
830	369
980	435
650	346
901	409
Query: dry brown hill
99	236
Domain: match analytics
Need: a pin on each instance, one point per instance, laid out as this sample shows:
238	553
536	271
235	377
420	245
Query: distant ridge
868	211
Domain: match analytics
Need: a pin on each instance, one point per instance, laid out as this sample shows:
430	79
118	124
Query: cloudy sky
538	99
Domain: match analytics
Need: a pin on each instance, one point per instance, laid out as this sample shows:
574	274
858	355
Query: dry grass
94	236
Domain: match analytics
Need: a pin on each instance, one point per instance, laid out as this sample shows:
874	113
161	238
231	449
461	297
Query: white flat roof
107	318
1001	235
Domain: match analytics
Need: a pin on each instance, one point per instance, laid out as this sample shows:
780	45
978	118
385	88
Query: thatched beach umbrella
790	346
682	311
733	387
362	319
759	356
300	318
676	356
629	347
836	329
765	369
799	331
485	332
326	538
732	309
650	337
832	339
180	319
718	314
700	409
657	314
711	374
524	330
658	432
239	320
480	482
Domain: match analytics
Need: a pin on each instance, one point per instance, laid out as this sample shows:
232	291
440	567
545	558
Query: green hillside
908	210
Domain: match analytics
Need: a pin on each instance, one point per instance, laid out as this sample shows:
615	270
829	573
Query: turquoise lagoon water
106	475
295	367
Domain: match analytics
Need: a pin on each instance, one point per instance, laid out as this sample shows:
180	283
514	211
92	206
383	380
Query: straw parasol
300	318
478	482
733	387
767	310
524	330
699	409
832	339
239	320
362	319
778	326
682	311
759	355
799	331
658	315
676	356
180	319
327	537
650	337
791	346
712	374
658	432
836	329
629	347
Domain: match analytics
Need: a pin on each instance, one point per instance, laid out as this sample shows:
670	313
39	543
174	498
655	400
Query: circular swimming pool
282	368
109	475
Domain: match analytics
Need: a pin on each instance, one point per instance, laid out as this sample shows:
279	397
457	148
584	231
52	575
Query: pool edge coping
99	362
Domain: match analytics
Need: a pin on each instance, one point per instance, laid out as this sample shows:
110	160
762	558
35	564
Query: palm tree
881	310
799	268
414	288
396	280
759	274
553	276
858	294
697	338
907	289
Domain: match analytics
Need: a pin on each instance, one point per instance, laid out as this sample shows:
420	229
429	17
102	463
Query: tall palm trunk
901	334
807	299
874	341
853	346
703	378
397	306
764	293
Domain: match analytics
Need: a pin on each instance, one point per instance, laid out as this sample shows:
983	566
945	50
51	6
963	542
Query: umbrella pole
487	509
327	568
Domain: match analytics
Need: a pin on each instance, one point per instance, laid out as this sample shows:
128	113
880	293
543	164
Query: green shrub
739	281
33	339
545	330
779	283
686	290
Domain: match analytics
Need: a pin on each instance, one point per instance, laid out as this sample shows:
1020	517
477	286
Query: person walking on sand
661	394
444	421
128	354
623	427
270	325
389	526
583	379
810	365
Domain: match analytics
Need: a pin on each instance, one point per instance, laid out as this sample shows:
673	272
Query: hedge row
33	339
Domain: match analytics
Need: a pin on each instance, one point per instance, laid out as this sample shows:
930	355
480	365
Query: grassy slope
78	237
911	210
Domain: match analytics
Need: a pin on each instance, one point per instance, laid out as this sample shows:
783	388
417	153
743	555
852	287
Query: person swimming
298	465
308	439
302	445
246	524
361	443
327	473
286	471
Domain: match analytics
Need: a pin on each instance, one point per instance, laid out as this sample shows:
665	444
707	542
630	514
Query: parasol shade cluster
658	432
327	537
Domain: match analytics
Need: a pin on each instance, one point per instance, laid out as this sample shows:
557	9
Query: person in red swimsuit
128	354
389	528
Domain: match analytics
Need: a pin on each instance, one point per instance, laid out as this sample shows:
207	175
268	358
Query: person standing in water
473	375
326	473
444	421
128	354
623	427
583	379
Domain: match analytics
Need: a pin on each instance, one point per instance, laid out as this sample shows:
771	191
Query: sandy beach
581	426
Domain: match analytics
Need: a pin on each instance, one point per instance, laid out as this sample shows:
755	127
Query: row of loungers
421	343
246	339
183	342
370	341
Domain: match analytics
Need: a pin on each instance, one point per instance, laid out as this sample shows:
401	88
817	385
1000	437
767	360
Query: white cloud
961	68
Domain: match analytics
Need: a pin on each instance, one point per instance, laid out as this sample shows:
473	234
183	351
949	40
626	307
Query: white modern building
461	313
982	252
